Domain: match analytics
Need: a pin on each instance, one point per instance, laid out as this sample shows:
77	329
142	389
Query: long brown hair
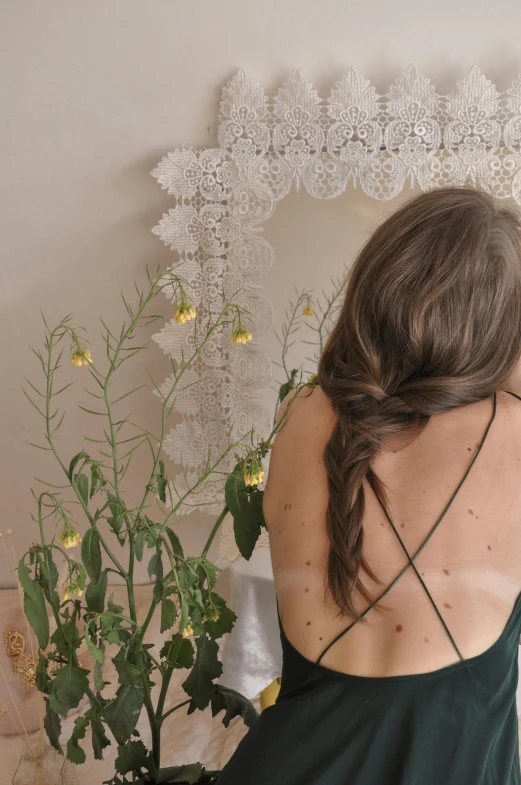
431	320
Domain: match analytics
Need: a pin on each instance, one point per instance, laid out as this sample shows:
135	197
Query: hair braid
431	321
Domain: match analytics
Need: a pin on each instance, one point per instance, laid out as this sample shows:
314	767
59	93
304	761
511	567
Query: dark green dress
456	725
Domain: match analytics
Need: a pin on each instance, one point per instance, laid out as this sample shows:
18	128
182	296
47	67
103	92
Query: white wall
92	94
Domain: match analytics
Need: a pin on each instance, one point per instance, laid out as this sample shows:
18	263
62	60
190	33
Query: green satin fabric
457	725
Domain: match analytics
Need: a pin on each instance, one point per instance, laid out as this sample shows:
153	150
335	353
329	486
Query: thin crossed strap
424	543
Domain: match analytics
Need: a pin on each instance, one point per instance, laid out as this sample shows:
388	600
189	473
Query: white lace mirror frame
222	196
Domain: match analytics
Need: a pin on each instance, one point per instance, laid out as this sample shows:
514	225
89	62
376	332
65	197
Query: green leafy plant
183	586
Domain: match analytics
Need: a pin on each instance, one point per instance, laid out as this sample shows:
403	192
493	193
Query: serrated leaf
129	672
99	738
168	614
178	652
68	687
154	564
131	757
95	652
74	752
207	667
235	704
65	637
246	509
91	554
225	622
52	725
123	712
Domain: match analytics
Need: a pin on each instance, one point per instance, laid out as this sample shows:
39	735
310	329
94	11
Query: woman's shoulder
303	406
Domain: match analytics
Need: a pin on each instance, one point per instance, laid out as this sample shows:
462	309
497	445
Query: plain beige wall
93	94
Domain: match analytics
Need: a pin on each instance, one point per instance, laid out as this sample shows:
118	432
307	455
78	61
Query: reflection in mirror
315	241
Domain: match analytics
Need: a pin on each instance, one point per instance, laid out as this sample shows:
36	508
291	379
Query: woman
393	504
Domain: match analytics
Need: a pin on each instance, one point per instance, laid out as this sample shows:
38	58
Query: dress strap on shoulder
410	559
514	394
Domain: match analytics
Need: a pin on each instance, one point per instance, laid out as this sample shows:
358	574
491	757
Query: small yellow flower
81	357
69	537
308	311
71	590
241	335
184	312
187	631
215	617
254	473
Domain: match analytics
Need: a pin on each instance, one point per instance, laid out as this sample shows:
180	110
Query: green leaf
68	687
129	672
246	509
82	484
175	542
210	570
50	577
65	637
235	705
225	622
42	678
52	725
117	520
94	479
155	567
95	594
91	554
97	653
161	482
99	683
140	544
178	652
132	757
26	581
207	666
36	612
77	458
99	738
187	576
111	627
188	774
74	752
123	712
168	614
154	564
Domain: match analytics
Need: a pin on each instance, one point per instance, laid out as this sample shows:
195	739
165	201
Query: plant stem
214	531
170	711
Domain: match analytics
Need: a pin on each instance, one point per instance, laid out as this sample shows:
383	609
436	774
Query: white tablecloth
251	653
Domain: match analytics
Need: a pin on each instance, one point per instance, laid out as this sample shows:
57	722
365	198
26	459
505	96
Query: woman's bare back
471	565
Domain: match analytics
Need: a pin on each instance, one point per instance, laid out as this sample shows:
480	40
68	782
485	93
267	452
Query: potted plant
119	535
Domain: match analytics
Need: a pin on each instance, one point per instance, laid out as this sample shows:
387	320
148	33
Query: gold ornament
21	662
